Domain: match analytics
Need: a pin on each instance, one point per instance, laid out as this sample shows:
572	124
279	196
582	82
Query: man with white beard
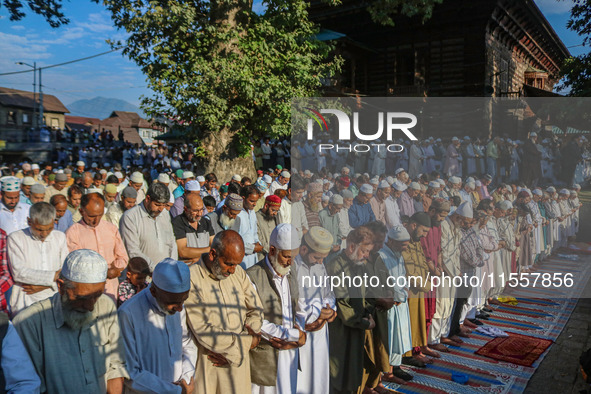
320	308
73	337
274	363
227	217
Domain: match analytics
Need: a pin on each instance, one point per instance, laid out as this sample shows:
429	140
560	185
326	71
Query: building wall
21	118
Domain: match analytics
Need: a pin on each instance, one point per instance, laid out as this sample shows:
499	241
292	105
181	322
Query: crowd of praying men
128	279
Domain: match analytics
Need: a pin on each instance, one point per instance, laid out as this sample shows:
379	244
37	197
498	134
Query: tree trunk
223	160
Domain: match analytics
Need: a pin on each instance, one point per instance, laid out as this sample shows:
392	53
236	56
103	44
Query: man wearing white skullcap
224	331
321	310
360	211
160	352
378	201
136	180
406	199
13	213
284	315
329	219
73	337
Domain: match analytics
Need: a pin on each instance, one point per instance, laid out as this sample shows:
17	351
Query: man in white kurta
320	310
275	271
13	213
35	256
249	231
159	351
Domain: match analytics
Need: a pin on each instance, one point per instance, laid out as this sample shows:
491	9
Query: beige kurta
416	266
217	311
450	253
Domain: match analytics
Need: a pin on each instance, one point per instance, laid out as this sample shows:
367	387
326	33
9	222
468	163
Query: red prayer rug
516	349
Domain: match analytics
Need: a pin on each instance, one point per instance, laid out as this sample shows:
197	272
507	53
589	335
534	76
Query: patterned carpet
540	313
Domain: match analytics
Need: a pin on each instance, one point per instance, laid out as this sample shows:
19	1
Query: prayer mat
516	349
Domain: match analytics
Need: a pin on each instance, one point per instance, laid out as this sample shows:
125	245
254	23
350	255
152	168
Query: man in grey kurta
146	229
267	220
73	337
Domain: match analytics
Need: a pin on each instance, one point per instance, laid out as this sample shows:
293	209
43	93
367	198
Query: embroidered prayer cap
398	171
267	178
441	205
399	233
315	187
234	202
137	177
10	184
319	239
465	210
192	186
261	185
172	276
163	178
285	237
273	200
129	192
85	266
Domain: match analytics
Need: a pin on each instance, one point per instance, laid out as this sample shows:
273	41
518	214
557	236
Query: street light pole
34	67
42	123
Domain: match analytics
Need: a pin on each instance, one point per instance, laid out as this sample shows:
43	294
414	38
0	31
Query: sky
114	76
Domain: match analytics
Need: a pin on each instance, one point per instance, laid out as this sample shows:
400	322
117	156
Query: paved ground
559	372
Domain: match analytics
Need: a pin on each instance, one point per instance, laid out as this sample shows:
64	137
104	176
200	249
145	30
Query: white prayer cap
478	183
325	198
336	199
365	188
85	266
384	184
471	185
37	188
529	192
200	178
236	178
94	189
80	163
308	173
324	182
505	205
573	193
469	179
399	186
399	233
465	210
533	134
347	193
415	186
10	184
285	237
106	165
398	171
455	180
551	189
35	166
172	276
94	165
455	139
118	174
538	192
267	179
137	177
375	181
188	174
390	180
285	174
441	182
434	184
192	186
102	171
28	181
467	138
577	186
162	178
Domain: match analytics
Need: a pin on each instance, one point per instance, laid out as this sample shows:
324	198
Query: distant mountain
100	107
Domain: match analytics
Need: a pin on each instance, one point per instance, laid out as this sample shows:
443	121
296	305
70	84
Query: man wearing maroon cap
341	184
267	220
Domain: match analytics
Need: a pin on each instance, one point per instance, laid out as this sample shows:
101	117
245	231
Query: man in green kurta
354	314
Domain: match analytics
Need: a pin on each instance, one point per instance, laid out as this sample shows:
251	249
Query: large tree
576	70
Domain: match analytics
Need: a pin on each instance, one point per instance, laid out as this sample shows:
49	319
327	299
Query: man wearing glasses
192	231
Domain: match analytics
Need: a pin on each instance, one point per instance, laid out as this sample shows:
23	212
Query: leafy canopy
576	70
